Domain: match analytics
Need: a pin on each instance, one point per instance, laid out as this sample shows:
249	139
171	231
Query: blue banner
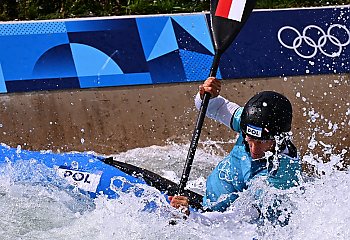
105	52
291	42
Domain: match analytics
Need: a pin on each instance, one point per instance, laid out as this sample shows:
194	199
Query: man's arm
219	108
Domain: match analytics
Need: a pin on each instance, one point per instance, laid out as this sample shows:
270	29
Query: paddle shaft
198	129
224	31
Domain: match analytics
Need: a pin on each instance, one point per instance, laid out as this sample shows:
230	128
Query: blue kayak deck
84	170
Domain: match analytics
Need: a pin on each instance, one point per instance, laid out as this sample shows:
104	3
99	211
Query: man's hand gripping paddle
227	18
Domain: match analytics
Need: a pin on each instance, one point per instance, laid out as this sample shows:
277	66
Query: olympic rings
316	45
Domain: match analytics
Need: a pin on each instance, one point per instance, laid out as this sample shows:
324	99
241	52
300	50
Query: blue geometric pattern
90	61
166	42
150	29
20	56
184	38
32	28
167	69
115	80
56	61
2	81
107	52
197	27
196	65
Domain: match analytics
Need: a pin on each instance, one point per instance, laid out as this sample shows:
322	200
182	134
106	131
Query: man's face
259	147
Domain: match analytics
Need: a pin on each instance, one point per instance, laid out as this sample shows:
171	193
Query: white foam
47	211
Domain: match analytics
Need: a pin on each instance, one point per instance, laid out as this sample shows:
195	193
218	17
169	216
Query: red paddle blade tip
231	9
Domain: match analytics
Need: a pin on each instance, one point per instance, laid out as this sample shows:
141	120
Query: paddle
224	31
154	180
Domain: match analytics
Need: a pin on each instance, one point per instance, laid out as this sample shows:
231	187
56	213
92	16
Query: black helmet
265	115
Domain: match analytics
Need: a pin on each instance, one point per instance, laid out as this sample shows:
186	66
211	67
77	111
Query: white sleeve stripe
219	109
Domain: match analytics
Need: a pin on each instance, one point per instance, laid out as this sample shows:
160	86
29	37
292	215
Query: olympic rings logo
316	45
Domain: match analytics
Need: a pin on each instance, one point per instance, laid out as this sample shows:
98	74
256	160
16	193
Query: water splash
37	205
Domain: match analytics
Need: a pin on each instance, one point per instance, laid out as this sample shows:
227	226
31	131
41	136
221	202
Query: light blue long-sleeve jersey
233	173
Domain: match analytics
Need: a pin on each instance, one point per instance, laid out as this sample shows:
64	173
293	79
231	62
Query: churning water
37	205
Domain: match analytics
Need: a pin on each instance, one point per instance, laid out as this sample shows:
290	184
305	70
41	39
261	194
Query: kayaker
263	149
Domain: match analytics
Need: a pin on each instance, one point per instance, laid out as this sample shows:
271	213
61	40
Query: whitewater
36	204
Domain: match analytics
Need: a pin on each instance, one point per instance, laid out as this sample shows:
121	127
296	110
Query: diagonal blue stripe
196	26
166	42
2	81
150	30
115	80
